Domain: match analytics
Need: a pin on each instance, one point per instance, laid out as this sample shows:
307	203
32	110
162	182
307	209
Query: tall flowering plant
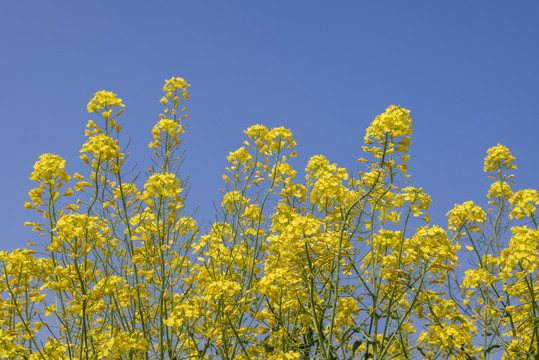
336	265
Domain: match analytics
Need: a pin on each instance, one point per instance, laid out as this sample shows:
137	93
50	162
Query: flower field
340	264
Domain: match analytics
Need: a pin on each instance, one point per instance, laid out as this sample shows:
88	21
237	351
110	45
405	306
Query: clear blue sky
468	71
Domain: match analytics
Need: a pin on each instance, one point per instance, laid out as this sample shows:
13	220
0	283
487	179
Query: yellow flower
466	214
163	185
279	137
174	83
234	201
104	100
418	201
523	250
167	125
241	155
499	190
80	231
522	203
103	147
395	120
498	156
257	132
49	169
475	277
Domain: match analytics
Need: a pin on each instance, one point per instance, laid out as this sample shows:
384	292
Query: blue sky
467	70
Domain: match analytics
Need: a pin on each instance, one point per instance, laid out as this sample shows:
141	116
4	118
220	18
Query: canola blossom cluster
335	264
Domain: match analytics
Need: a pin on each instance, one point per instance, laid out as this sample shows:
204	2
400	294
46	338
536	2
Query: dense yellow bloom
167	125
395	121
280	139
103	147
257	132
127	190
448	329
381	137
270	142
326	268
22	261
54	349
498	156
164	185
475	278
123	343
79	233
433	242
466	214
49	169
104	100
523	203
280	355
49	172
175	83
234	201
327	182
523	250
499	190
241	155
519	348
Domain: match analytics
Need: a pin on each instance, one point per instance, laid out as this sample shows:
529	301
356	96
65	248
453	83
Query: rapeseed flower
104	100
498	156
